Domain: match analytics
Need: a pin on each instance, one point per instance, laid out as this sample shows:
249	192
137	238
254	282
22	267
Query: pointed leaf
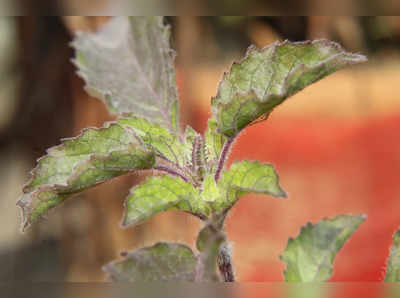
266	77
214	142
93	157
160	262
130	65
161	194
309	257
156	138
248	177
393	263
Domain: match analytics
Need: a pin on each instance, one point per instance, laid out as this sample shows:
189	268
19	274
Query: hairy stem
224	154
183	172
215	251
171	172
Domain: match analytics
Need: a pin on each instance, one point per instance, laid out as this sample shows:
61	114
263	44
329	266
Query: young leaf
393	263
210	190
248	176
156	138
160	194
266	77
78	163
309	257
160	262
214	144
130	65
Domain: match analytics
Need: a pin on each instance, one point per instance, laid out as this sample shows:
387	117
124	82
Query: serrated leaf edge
284	90
104	95
363	217
392	250
108	268
26	211
283	193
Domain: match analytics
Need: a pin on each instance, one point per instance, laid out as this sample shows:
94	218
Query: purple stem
171	171
223	156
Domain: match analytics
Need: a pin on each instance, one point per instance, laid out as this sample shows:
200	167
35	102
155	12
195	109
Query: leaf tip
360	218
125	222
281	193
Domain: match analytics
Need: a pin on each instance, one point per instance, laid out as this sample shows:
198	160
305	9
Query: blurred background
335	145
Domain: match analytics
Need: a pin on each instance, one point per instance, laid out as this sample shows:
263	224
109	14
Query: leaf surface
248	177
214	143
156	138
309	257
160	262
161	194
266	77
130	65
95	156
393	263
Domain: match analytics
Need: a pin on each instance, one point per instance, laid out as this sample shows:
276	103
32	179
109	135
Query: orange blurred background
335	145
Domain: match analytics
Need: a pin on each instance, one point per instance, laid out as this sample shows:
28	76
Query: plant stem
224	261
172	172
223	156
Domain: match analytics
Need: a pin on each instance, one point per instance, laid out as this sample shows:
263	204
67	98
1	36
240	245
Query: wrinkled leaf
156	138
248	177
130	65
160	194
160	262
78	163
309	257
266	77
393	263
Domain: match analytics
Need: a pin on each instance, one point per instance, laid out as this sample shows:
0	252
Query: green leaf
393	263
130	65
160	262
214	143
210	190
156	138
214	195
266	77
161	194
78	163
248	177
309	257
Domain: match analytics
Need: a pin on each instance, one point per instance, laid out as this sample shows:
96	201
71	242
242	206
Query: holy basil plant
129	64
